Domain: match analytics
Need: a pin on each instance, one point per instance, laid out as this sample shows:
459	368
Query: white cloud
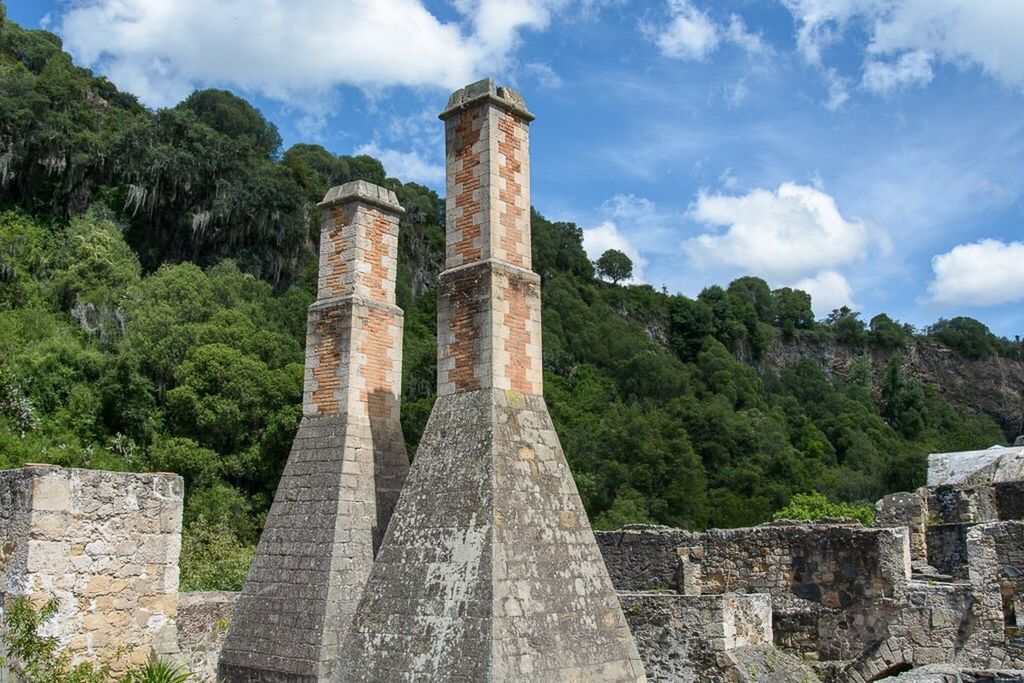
984	273
543	74
737	33
605	236
784	234
906	36
293	50
406	166
910	68
691	34
829	290
838	93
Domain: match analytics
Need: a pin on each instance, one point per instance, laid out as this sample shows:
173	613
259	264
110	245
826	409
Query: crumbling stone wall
833	565
1009	500
830	564
840	593
106	546
203	620
691	637
909	510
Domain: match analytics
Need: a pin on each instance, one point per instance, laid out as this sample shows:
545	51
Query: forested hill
156	268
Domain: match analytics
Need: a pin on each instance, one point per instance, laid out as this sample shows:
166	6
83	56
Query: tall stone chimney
347	463
489	570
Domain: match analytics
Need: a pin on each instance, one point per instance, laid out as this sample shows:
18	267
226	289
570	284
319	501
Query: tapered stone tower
347	463
489	570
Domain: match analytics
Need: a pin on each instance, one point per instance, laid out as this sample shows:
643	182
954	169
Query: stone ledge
492	264
362	191
483	91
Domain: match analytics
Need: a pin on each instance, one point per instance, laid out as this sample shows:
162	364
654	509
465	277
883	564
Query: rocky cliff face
993	386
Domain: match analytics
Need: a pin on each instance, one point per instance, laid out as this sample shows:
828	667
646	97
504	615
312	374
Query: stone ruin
935	586
105	545
488	569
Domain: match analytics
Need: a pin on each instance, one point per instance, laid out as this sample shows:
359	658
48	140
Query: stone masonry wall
690	637
909	510
106	546
829	564
203	621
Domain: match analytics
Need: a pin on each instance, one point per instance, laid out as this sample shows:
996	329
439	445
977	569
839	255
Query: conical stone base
489	570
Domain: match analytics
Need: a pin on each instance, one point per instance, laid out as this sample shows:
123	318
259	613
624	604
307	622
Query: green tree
964	335
94	264
755	291
887	333
229	114
615	266
847	327
792	310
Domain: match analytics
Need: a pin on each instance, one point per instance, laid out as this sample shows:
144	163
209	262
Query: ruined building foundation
348	461
489	570
105	546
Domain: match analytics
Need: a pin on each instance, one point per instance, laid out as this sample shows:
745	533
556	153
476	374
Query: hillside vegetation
155	269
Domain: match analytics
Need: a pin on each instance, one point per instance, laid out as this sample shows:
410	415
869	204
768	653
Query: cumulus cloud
984	273
907	36
293	50
605	236
910	68
409	166
691	34
829	290
785	234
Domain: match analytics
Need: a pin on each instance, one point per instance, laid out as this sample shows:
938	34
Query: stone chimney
348	460
489	299
489	570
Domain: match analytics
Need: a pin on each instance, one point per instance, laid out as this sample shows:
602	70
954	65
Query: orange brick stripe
332	333
517	321
378	280
466	303
378	393
511	216
340	216
467	178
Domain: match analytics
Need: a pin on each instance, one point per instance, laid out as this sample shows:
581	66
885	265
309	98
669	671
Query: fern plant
158	670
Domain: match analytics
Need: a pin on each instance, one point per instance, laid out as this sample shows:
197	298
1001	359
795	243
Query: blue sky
870	151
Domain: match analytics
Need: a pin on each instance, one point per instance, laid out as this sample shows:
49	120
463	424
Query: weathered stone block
84	537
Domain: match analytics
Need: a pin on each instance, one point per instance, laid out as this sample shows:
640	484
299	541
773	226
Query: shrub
34	658
812	506
212	558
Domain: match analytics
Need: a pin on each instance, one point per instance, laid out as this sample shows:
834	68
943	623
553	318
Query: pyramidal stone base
315	552
489	570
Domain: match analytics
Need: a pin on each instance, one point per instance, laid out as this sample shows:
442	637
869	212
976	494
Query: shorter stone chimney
348	460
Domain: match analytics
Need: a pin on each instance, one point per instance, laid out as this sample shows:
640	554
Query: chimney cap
482	91
362	191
